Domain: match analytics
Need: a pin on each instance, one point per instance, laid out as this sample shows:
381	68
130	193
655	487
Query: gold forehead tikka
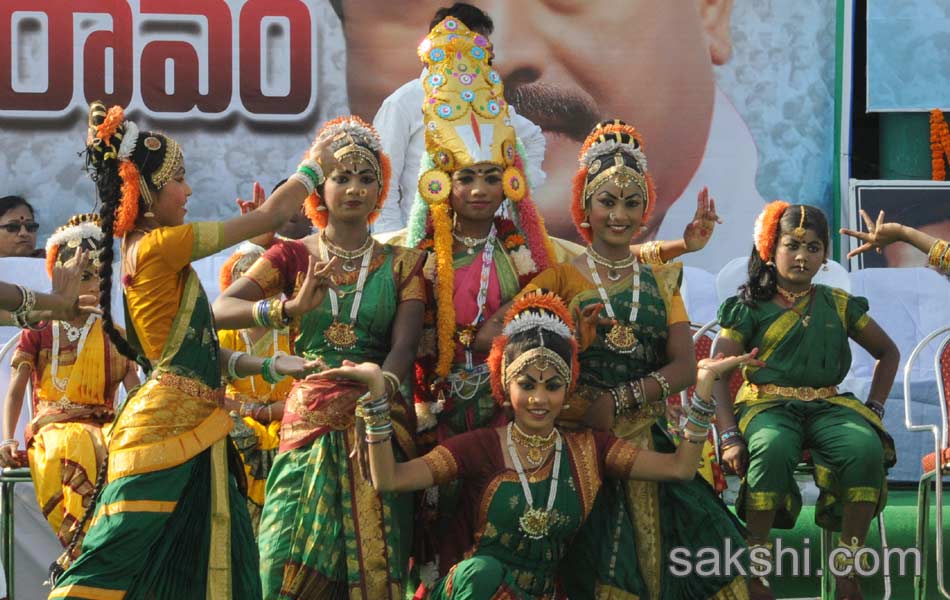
355	152
799	232
622	175
540	357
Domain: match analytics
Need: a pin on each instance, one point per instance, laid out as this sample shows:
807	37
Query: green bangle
265	371
316	179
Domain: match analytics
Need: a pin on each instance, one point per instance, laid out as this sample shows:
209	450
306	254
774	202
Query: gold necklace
613	266
792	297
349	256
537	445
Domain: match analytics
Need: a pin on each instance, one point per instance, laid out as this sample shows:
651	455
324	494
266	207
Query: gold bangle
937	252
275	313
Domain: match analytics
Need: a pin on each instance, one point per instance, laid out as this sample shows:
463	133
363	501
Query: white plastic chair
940	457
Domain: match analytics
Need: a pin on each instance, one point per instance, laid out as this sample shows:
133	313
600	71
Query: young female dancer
793	403
528	486
170	522
325	532
75	371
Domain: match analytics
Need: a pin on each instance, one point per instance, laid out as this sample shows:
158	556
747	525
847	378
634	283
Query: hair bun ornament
78	229
765	231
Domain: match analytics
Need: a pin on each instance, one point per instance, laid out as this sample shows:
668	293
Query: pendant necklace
60	384
621	337
535	523
471	243
349	256
537	445
342	336
613	266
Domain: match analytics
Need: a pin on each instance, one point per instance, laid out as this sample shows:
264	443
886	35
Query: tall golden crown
465	112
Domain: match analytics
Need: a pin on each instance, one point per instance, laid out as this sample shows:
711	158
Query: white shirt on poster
728	169
399	123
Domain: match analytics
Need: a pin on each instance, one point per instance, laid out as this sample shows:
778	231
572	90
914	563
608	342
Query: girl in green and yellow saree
170	521
324	531
527	486
793	402
632	359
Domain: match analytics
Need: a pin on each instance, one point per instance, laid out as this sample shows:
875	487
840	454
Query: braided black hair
762	284
102	164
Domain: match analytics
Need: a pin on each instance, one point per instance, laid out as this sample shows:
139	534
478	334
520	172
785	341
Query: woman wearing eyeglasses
18	228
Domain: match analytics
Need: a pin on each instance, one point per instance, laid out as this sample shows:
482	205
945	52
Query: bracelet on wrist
663	383
313	171
232	364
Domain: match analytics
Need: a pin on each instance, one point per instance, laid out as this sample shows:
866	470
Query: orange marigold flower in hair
128	209
115	116
765	233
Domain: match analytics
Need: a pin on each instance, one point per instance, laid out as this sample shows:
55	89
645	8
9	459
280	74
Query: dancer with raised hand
75	371
324	531
636	350
169	521
528	485
793	403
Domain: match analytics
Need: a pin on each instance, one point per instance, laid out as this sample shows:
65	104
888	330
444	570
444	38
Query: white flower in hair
757	229
131	137
529	320
75	234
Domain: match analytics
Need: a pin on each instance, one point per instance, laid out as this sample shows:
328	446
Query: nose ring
362	192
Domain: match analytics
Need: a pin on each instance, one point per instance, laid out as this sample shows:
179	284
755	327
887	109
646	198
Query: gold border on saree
805	394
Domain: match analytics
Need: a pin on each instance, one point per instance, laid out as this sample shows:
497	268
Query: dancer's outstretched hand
297	367
699	231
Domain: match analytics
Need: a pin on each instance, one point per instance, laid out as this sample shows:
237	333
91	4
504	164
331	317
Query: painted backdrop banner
734	96
908	64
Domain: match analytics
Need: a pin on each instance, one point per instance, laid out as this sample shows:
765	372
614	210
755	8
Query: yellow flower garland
445	281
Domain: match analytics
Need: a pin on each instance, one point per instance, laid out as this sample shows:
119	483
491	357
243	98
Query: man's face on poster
567	64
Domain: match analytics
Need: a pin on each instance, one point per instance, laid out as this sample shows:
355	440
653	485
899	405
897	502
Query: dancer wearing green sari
528	486
632	360
324	531
793	403
171	521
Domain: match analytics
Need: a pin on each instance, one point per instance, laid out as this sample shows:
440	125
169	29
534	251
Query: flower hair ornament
538	312
765	231
146	160
239	262
613	152
81	232
352	141
467	123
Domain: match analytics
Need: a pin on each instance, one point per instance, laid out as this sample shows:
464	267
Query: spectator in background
18	228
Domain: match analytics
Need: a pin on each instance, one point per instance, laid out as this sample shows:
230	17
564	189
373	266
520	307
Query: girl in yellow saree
170	521
75	372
